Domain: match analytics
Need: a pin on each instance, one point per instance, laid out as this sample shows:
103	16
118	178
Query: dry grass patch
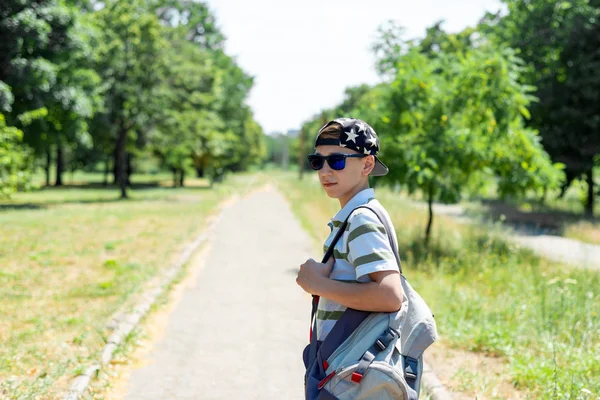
469	375
587	232
71	258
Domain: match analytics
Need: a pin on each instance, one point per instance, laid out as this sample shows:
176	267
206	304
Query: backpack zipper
326	379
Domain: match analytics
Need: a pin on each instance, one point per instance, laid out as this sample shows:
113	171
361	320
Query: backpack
370	355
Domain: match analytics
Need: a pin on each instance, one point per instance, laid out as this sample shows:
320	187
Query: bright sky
303	54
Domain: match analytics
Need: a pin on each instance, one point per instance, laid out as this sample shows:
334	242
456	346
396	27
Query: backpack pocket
381	381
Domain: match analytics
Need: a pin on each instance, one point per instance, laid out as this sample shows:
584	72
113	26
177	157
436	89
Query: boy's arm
384	294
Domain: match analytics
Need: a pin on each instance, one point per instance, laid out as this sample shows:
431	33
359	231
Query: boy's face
338	184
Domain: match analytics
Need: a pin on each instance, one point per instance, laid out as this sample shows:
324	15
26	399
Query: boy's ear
369	165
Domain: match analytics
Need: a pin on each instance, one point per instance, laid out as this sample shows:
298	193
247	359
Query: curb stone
433	386
124	324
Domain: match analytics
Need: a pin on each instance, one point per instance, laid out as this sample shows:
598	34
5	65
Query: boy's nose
326	170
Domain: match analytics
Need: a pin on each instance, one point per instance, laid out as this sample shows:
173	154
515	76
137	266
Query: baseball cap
356	135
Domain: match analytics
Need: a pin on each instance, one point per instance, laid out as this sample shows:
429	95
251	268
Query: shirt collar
359	199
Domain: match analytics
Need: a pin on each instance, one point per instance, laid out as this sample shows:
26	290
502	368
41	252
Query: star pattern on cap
372	141
361	126
351	136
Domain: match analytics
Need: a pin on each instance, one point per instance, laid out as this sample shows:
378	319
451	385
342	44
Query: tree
233	88
131	54
187	93
559	43
457	117
89	81
451	117
204	124
192	21
43	53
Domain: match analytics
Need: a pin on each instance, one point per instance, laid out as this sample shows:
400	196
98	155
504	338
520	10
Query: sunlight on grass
71	258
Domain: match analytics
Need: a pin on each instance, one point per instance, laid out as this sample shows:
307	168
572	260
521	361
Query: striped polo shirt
362	249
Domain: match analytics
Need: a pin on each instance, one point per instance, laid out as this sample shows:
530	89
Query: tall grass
489	295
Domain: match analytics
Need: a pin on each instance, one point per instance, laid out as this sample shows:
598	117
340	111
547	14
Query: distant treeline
87	83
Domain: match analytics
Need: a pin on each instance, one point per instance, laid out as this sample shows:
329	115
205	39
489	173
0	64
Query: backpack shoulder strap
388	229
337	237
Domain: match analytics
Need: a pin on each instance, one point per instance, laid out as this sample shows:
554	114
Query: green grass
488	295
71	257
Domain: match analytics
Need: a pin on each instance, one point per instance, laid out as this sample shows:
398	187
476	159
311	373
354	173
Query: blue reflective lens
336	162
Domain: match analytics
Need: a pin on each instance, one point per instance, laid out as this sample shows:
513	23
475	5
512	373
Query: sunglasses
336	161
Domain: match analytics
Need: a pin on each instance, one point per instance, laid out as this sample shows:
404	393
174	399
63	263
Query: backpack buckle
356	377
411	368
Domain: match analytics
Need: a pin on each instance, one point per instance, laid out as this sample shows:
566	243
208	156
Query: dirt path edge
126	323
433	386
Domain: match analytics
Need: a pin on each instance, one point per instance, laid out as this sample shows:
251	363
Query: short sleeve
369	249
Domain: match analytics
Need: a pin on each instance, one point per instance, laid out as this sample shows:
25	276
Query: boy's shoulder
362	215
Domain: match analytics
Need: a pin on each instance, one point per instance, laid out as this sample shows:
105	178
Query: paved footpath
569	251
238	333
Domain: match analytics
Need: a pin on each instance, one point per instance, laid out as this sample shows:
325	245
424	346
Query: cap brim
380	169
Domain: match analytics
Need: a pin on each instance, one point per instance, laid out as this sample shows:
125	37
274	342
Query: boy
363	273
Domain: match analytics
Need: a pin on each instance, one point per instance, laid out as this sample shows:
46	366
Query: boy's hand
312	273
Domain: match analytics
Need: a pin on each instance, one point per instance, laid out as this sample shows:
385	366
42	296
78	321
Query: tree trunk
121	159
181	177
430	221
106	170
200	172
129	169
589	206
174	171
115	166
59	164
544	196
48	165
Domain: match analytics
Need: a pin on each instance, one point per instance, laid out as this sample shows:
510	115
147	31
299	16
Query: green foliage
132	62
192	21
15	160
44	52
451	117
129	60
114	80
202	123
458	116
559	43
